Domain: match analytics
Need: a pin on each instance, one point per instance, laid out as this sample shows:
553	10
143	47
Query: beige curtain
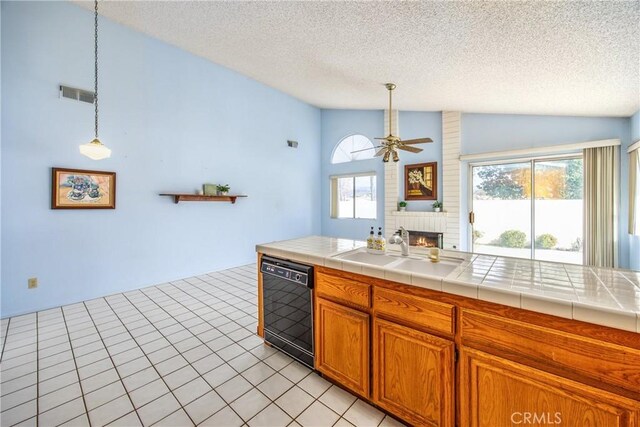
601	169
634	192
334	197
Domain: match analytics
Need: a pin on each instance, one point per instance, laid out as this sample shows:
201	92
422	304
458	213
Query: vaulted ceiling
533	57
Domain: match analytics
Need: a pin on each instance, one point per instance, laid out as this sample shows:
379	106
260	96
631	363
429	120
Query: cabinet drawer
347	291
414	310
603	362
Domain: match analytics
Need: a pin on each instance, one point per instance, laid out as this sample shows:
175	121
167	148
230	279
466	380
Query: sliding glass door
529	209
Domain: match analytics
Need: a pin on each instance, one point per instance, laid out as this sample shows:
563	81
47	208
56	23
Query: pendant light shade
95	149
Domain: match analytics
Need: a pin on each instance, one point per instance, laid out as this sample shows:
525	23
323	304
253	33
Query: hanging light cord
95	96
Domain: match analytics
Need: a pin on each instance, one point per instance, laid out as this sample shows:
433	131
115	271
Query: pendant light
95	149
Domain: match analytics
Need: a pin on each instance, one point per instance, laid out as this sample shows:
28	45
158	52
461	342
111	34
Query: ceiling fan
390	145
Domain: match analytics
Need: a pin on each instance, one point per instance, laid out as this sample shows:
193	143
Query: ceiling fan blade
380	152
417	141
412	149
365	149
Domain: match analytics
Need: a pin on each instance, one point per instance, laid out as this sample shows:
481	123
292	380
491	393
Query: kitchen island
486	341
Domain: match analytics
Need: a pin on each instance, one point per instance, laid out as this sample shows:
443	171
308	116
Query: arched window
344	151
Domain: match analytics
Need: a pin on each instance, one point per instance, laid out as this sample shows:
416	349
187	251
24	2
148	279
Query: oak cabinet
351	293
496	392
415	311
395	346
585	358
342	345
413	374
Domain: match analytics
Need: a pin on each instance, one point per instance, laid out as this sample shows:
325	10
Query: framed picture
421	181
82	189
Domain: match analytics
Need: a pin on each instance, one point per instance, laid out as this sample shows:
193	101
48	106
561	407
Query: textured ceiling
533	57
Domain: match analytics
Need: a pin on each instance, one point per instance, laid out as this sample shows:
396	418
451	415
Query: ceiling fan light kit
95	150
390	144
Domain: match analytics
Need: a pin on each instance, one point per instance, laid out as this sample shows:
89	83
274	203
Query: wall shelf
201	198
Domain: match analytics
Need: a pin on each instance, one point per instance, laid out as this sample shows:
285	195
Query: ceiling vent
76	94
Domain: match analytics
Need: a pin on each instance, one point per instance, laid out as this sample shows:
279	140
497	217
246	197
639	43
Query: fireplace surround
425	239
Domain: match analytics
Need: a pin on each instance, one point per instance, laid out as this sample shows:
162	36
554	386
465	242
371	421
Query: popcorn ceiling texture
533	57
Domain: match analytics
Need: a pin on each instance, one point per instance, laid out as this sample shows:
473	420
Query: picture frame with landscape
82	189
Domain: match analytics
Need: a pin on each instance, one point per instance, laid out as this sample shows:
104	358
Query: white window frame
372	149
333	184
530	159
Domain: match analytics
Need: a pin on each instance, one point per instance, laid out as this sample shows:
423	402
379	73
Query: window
344	151
353	196
529	209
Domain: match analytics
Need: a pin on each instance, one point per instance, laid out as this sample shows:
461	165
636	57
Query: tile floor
178	354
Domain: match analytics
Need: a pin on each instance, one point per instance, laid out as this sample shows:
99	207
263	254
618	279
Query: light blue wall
173	121
634	241
421	124
495	132
337	124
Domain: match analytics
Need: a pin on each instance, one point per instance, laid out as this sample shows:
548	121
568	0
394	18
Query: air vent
76	94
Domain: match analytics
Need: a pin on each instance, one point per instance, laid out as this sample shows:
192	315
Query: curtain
634	192
601	168
334	197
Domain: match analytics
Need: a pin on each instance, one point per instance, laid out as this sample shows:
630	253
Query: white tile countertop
604	296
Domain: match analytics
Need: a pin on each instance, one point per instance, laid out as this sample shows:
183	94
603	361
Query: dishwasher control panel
284	270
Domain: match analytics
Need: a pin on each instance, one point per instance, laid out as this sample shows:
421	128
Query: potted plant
437	206
222	190
402	206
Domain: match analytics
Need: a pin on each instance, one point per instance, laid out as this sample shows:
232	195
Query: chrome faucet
401	237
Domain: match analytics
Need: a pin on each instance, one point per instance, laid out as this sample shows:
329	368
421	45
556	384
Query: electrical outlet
32	283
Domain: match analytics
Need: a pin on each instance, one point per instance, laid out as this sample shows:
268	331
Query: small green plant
546	241
402	204
223	188
512	239
437	204
477	235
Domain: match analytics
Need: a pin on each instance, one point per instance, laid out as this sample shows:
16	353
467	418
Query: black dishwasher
287	297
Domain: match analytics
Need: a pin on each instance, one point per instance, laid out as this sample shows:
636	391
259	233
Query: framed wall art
82	189
421	181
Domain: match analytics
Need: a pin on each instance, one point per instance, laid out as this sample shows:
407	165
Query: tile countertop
604	296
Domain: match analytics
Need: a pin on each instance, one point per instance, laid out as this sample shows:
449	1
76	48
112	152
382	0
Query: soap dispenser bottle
380	242
370	240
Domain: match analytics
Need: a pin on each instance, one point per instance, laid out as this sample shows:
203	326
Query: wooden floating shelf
201	198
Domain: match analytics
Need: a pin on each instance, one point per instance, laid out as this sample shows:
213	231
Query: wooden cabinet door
413	374
495	392
342	345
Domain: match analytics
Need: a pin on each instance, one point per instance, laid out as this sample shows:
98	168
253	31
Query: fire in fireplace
425	239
